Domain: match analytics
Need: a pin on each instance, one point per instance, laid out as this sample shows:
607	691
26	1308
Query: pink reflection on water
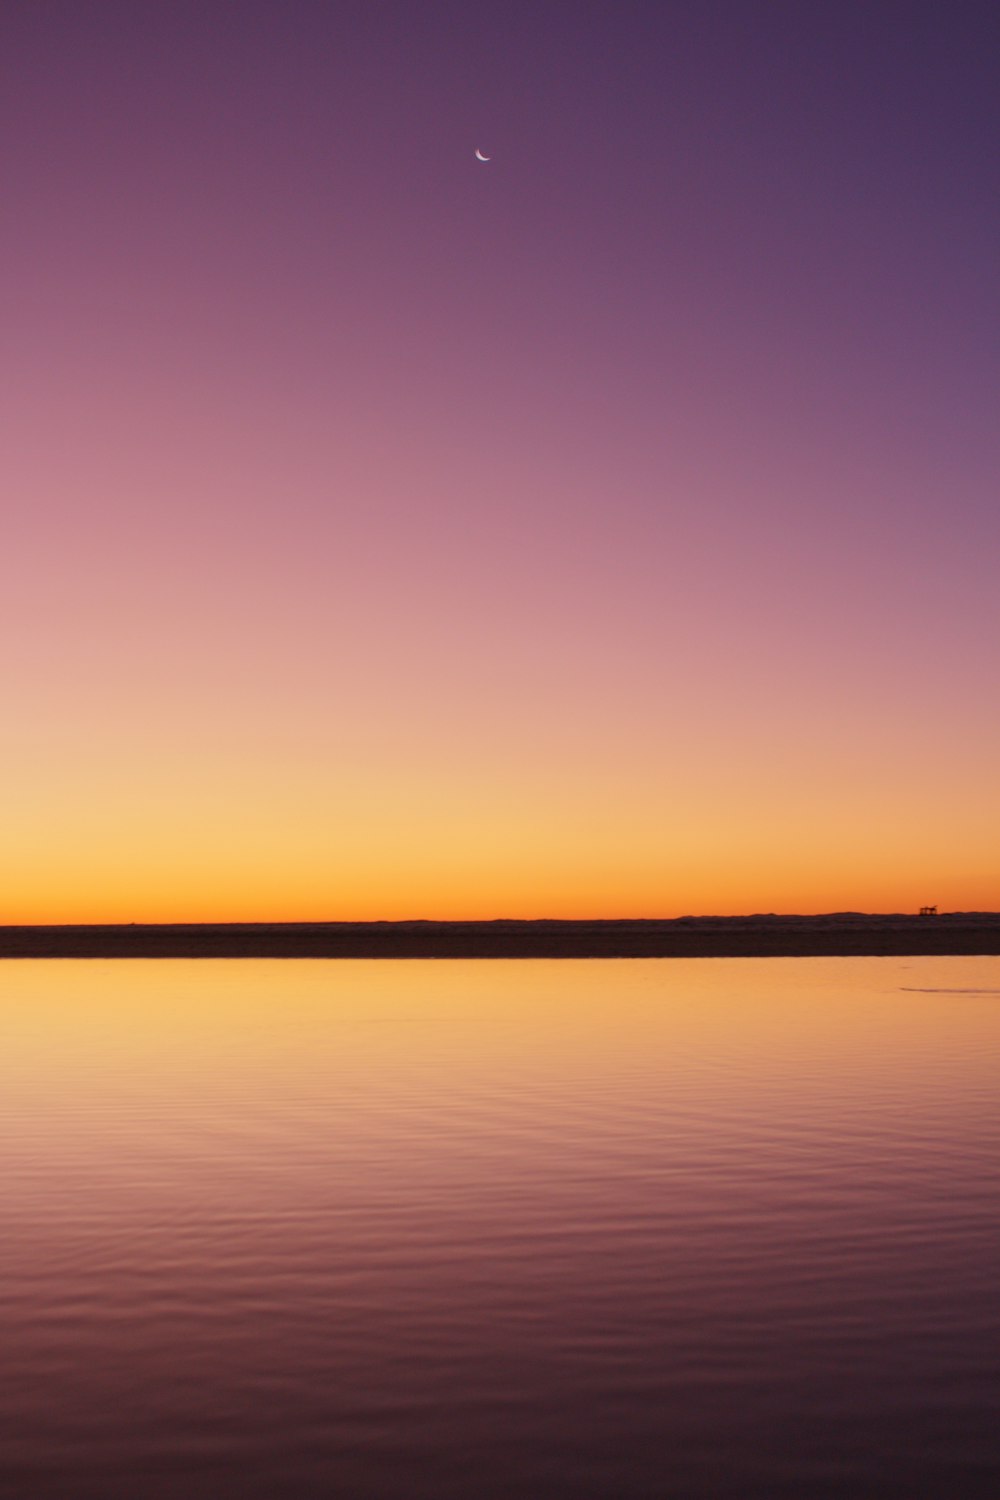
374	1224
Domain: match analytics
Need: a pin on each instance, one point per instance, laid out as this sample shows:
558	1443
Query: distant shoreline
683	937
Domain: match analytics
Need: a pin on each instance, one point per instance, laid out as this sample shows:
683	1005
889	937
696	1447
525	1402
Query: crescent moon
481	157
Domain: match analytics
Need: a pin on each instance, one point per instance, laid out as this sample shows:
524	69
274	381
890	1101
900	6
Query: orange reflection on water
260	1212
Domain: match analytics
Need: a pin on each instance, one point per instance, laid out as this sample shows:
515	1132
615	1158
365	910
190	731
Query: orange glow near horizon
529	853
602	801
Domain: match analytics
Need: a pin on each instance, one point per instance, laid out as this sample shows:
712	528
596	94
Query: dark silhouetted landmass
683	937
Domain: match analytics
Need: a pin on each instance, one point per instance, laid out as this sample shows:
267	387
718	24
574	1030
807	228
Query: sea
712	1229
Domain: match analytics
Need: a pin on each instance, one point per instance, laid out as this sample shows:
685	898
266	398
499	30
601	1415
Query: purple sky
610	527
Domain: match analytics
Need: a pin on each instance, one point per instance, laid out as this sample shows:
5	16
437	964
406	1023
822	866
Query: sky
607	529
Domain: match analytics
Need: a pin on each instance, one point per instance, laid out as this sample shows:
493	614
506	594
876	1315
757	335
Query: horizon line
930	913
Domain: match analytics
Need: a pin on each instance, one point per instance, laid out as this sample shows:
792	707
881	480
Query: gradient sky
610	529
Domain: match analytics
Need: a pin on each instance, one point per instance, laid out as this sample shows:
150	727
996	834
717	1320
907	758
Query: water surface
393	1230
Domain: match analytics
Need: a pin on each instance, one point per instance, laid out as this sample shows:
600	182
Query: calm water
385	1231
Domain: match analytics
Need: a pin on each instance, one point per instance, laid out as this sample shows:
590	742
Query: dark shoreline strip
700	937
